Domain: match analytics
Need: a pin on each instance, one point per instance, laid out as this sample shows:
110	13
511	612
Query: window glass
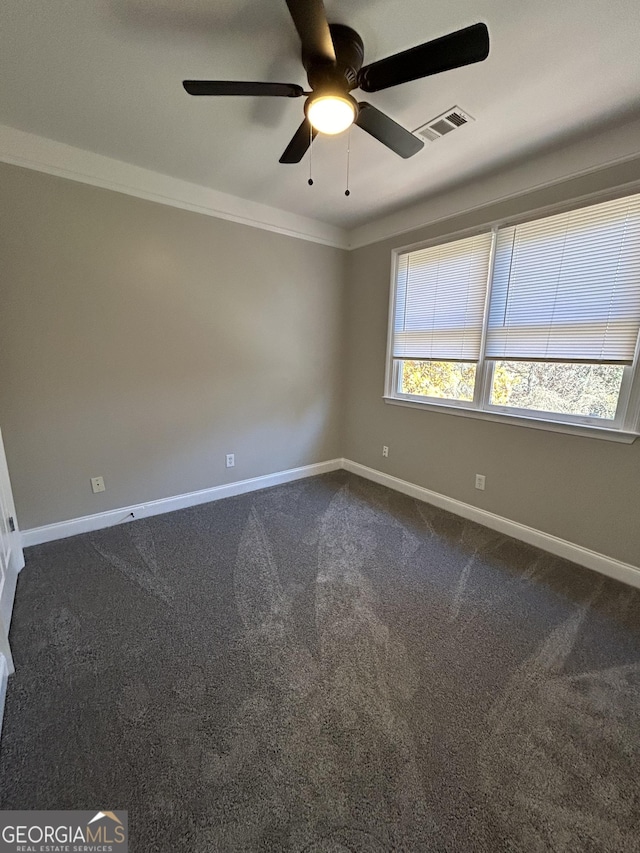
539	318
589	390
445	380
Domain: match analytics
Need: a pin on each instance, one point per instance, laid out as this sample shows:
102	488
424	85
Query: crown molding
599	152
594	154
56	158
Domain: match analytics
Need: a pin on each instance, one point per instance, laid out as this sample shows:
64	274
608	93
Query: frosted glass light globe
331	114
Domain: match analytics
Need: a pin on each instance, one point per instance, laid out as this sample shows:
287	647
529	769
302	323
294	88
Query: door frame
11	556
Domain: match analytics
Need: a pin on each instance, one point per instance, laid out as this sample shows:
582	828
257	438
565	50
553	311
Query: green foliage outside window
590	390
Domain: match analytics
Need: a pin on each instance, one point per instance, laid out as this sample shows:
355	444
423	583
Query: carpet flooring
322	667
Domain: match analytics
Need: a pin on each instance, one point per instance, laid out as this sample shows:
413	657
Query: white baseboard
4	677
88	523
624	572
559	547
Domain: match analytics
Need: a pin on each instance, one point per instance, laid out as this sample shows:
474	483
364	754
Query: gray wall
142	343
581	489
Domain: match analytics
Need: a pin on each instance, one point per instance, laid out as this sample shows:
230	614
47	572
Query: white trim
623	428
87	523
454	407
632	403
560	167
41	154
16	562
390	373
6	609
609	566
76	164
4	677
8	595
624	572
628	188
483	370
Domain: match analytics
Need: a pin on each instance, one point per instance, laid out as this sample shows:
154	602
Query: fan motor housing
349	51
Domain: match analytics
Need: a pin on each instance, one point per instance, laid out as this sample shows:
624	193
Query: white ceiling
105	75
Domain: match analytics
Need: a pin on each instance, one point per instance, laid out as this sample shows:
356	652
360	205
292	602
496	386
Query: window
537	320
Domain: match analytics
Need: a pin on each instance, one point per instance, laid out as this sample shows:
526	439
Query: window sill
617	435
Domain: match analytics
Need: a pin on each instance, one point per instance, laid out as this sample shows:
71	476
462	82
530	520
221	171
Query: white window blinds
567	287
440	300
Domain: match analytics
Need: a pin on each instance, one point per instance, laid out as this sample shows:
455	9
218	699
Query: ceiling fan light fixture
331	113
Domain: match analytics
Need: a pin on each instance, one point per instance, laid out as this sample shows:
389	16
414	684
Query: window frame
624	427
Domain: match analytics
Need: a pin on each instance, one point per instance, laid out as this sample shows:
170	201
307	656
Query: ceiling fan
332	55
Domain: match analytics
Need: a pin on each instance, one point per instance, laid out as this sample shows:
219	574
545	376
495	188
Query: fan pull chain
347	192
310	181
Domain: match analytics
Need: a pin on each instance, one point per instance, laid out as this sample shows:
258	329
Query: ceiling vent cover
443	124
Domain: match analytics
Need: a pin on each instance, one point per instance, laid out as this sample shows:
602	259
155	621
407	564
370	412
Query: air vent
443	124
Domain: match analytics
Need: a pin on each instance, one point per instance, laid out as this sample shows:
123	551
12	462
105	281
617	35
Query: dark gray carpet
325	666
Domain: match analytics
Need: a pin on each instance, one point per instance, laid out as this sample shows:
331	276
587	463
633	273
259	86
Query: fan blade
237	87
463	47
301	140
387	131
310	20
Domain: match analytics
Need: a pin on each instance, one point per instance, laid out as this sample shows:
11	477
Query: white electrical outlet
230	460
97	485
480	478
385	450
